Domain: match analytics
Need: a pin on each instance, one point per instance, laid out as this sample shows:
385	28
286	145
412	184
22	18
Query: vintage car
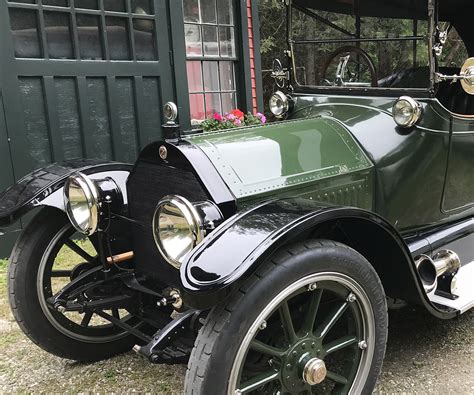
267	257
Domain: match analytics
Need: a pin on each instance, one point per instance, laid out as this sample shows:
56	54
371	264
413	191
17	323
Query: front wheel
47	256
312	320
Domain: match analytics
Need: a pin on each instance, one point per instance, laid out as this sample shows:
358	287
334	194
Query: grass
4	307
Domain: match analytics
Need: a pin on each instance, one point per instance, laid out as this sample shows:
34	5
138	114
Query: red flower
239	114
218	117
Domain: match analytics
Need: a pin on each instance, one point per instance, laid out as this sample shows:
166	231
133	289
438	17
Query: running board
465	291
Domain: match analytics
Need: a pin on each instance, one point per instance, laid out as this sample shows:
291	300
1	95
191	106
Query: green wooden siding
80	80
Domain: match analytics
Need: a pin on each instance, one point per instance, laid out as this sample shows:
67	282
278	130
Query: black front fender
235	249
43	187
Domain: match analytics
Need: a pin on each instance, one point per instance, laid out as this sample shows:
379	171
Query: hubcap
314	371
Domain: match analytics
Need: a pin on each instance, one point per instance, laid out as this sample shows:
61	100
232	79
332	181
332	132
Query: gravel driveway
424	355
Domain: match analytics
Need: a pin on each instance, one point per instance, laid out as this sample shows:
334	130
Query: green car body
349	151
313	158
268	256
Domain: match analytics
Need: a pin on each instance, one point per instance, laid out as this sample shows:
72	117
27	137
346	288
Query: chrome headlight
179	226
406	112
81	199
279	104
90	203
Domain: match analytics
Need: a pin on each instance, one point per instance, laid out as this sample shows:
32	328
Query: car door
459	184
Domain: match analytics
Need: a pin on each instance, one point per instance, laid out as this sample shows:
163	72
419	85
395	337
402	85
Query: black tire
219	340
24	298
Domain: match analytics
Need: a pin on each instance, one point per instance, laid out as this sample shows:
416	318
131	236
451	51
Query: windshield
341	50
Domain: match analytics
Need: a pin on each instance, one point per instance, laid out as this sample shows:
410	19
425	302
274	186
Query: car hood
285	155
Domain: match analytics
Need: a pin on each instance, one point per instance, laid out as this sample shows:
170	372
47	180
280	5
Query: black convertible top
458	12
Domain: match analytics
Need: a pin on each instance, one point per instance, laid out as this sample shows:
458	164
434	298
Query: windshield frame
368	91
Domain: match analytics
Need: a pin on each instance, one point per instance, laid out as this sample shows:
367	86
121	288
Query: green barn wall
62	102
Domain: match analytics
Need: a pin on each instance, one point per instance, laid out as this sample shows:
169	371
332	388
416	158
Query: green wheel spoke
258	381
287	322
79	251
340	344
263	348
331	320
336	378
313	308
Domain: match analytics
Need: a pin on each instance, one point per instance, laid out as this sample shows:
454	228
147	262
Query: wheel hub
314	371
302	365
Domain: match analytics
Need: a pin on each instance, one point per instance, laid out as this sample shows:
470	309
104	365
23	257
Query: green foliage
213	125
273	27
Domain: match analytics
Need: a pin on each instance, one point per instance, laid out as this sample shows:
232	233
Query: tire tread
221	314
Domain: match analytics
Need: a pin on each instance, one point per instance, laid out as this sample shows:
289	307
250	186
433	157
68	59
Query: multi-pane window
84	29
211	56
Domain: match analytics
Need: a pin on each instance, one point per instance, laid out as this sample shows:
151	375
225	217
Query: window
84	29
211	56
341	50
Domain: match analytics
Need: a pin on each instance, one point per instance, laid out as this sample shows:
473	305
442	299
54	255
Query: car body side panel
410	164
290	159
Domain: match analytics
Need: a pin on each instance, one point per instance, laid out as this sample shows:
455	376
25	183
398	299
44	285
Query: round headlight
177	228
81	198
406	112
279	104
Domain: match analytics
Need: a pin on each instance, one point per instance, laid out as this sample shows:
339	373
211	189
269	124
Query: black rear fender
44	187
237	248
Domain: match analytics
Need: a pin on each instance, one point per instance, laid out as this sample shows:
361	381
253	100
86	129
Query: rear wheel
312	320
47	257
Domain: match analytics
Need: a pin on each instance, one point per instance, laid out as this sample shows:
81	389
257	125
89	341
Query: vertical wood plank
84	117
128	129
151	107
99	119
35	120
139	111
22	162
51	104
117	149
68	117
120	149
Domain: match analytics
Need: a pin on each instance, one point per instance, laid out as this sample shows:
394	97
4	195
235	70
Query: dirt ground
424	356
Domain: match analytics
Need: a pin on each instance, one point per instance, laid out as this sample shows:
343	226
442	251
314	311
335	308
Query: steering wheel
353	63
